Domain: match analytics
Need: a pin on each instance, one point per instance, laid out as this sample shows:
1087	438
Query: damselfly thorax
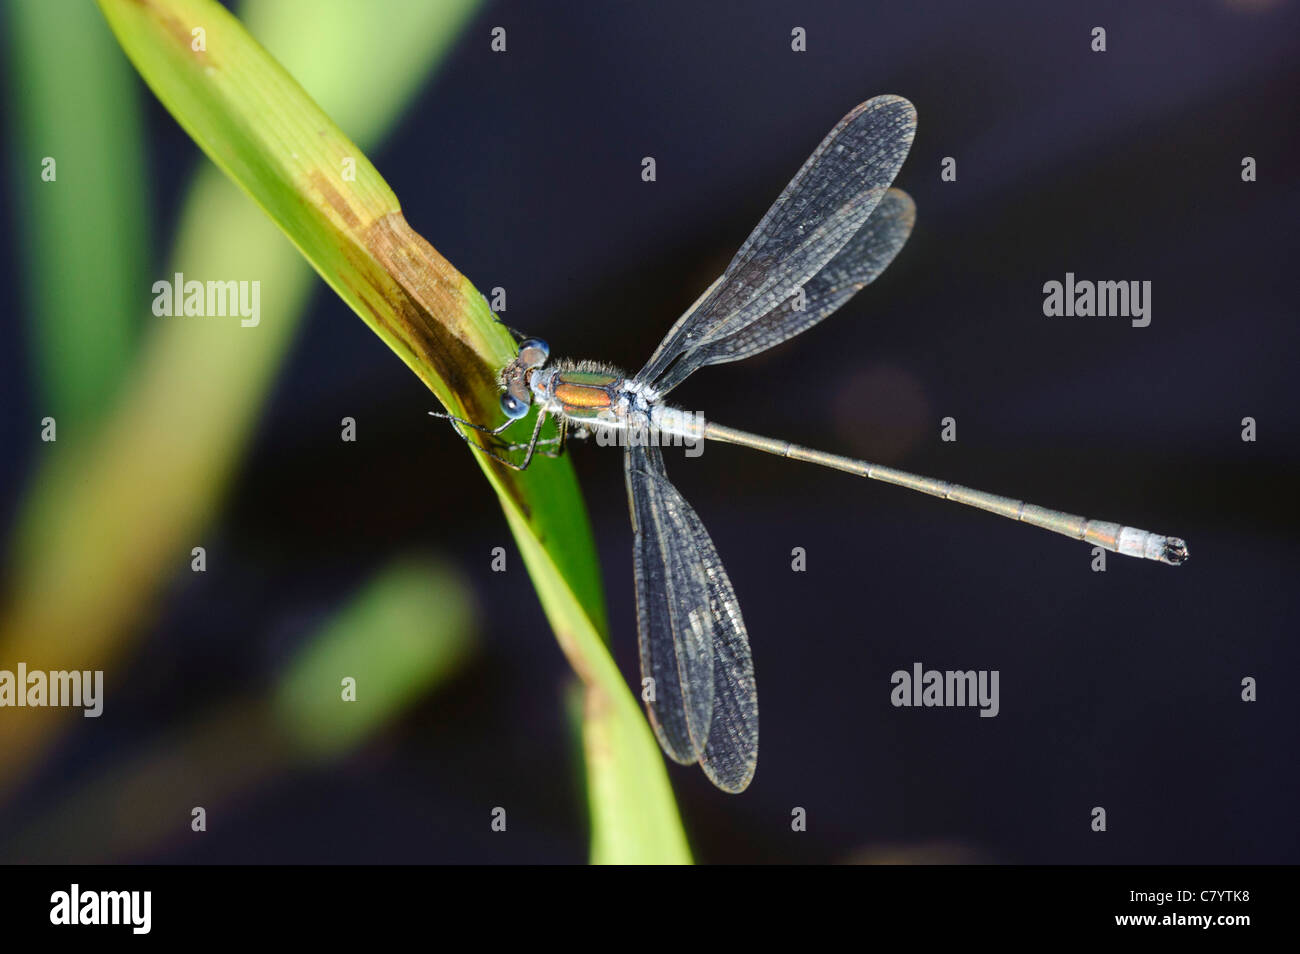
591	396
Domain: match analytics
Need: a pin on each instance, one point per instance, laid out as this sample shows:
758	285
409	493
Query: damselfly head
533	353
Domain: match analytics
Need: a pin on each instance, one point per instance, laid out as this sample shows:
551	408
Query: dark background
1119	689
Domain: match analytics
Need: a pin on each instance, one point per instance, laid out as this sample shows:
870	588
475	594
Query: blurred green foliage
410	628
73	100
402	635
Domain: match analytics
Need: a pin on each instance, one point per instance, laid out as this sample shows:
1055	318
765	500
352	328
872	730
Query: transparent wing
676	561
731	754
824	206
857	265
673	613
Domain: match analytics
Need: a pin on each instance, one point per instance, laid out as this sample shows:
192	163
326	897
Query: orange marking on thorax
581	395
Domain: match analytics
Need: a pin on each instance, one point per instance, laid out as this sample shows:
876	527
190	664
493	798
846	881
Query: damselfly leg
555	444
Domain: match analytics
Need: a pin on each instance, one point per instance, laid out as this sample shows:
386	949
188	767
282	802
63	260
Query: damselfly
836	226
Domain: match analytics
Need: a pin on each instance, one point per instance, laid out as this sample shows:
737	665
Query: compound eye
512	407
533	353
